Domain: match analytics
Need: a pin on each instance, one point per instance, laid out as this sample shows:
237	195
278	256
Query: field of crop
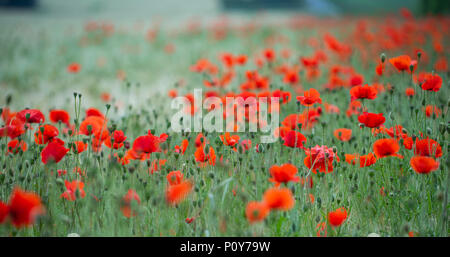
87	144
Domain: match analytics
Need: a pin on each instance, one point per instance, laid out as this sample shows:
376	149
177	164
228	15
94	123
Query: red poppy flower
172	93
174	177
363	92
269	54
310	97
256	211
423	164
126	203
205	157
4	210
54	151
182	149
294	139
283	174
292	120
71	190
74	67
79	146
45	133
371	120
94	112
14	146
24	207
403	63
364	160
34	116
177	193
337	217
60	116
428	147
118	137
92	125
343	134
146	144
410	91
320	158
279	199
430	81
12	131
432	110
386	147
229	140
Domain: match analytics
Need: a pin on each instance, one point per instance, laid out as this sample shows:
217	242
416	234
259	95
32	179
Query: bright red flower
94	112
343	134
432	110
363	92
182	149
15	129
71	190
205	157
146	144
229	140
410	91
60	116
54	151
337	217
45	133
428	147
310	97
364	160
4	210
174	177
177	193
279	199
403	63
283	174
34	116
256	211
14	146
423	164
371	120
430	81
294	139
79	146
320	158
24	207
118	137
386	147
74	67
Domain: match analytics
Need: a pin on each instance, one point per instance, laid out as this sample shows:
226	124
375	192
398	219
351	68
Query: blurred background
175	8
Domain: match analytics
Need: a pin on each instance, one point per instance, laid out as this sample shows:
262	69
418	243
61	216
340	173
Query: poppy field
356	106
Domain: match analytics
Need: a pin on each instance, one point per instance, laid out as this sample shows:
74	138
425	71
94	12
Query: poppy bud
75	94
108	106
27	116
383	57
411	67
79	95
89	128
260	148
419	54
60	182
